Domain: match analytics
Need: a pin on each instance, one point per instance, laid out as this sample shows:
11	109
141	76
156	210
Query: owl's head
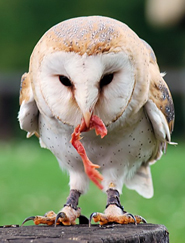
88	65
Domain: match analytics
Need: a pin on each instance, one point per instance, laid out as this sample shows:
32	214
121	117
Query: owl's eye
107	79
65	81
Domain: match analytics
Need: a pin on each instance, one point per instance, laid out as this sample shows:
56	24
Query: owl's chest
123	145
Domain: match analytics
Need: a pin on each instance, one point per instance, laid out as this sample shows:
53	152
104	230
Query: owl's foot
48	218
114	212
66	216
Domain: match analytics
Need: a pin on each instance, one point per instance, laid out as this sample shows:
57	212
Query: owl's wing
28	113
159	107
160	111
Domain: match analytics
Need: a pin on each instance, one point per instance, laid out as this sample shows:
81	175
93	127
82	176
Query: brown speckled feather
25	88
161	96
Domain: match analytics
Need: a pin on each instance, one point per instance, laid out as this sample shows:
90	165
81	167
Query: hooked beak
87	118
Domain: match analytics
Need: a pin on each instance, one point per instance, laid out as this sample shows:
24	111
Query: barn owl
91	73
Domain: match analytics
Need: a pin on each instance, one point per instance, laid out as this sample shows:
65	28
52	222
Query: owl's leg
114	212
67	216
70	212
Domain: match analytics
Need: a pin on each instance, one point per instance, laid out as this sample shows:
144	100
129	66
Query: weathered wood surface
81	233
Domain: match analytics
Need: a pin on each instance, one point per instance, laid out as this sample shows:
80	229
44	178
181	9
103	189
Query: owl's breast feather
100	129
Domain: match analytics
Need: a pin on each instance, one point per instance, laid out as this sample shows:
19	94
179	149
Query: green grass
32	183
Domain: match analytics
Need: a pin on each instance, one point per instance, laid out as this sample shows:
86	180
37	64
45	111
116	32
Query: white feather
28	116
142	182
158	121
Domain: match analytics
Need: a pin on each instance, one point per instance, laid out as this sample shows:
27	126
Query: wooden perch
83	234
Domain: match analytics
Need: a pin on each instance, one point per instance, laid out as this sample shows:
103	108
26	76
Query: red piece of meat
100	129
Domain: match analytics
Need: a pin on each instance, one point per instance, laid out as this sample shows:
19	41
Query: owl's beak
87	118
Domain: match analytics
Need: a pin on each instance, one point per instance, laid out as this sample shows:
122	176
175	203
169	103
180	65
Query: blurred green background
31	181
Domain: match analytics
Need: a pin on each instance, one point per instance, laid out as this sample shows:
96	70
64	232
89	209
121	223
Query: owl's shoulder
28	114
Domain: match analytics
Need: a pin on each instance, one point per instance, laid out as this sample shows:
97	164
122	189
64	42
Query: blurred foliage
22	23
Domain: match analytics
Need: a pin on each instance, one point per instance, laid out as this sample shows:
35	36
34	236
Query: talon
133	217
140	219
28	219
91	217
143	220
61	215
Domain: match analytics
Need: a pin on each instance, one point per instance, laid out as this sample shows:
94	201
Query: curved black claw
83	220
59	215
28	219
142	219
90	218
132	216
